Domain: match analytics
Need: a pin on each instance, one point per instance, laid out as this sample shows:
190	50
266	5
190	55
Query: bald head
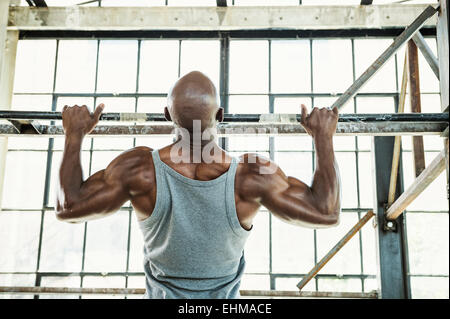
193	97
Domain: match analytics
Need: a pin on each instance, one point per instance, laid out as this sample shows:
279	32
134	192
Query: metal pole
427	53
384	57
335	249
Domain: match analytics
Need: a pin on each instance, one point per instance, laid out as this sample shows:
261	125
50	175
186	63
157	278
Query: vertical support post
8	56
443	56
391	238
414	94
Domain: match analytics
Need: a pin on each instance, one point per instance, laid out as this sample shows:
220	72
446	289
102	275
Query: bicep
100	195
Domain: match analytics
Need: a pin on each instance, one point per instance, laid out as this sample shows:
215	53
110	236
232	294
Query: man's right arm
290	199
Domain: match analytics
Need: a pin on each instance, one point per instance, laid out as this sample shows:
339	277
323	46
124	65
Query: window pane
366	52
249	67
19	240
207	62
428	246
429	287
62	245
296	164
248	143
255	282
136	248
19	190
30	103
341	285
332	57
365	180
76	66
35	64
257	246
116	105
290	66
117	66
375	105
292	248
347	260
106	243
291	284
249	104
347	170
159	66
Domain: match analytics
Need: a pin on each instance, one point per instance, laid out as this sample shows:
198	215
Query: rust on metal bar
232	129
141	291
433	170
416	107
335	249
398	139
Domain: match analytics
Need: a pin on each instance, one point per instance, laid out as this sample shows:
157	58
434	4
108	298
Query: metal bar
366	2
229	129
81	18
433	170
384	57
398	140
335	249
427	53
141	291
231	118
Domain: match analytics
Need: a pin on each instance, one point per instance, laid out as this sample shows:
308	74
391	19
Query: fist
78	119
320	121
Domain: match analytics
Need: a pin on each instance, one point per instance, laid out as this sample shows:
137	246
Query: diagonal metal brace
26	126
404	37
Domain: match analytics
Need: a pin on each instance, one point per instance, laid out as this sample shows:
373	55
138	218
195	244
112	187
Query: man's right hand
78	119
321	122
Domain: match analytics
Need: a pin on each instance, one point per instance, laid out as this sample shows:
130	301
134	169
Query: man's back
193	239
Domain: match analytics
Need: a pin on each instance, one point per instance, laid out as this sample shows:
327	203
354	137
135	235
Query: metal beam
214	18
384	57
141	291
433	170
354	230
366	2
427	53
221	3
392	261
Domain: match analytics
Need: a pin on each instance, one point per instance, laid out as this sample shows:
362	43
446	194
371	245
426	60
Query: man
194	202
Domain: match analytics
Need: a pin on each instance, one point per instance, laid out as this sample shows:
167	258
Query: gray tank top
193	241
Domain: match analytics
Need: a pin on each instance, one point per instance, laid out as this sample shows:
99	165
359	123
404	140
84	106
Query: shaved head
193	97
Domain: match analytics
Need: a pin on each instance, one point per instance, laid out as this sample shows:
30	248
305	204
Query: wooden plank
414	94
398	139
354	230
433	170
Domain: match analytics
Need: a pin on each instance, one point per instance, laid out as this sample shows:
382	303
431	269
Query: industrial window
264	76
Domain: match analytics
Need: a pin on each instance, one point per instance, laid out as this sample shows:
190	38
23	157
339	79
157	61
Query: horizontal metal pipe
239	129
141	291
231	118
